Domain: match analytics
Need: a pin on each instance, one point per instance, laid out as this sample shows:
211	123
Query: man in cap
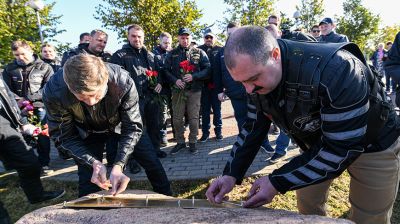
186	89
209	94
328	34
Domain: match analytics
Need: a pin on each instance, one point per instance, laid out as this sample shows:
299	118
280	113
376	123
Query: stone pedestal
58	214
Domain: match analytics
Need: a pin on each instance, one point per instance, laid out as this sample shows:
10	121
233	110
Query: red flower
187	67
36	132
45	132
151	73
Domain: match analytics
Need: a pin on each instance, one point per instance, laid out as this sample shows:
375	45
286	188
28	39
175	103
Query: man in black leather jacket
87	102
186	87
95	46
332	105
138	61
26	77
392	66
16	154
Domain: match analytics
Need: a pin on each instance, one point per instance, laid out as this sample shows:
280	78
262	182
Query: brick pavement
208	163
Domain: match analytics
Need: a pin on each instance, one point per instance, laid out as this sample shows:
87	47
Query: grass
16	203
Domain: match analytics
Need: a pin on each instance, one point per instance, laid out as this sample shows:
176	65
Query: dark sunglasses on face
208	37
316	31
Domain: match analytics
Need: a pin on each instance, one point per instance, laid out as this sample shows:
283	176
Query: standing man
328	34
16	154
186	89
227	87
96	45
87	103
26	77
138	61
49	56
329	120
160	52
209	95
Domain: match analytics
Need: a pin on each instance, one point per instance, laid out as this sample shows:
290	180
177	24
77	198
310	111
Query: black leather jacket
117	112
129	58
55	64
196	57
10	107
39	73
332	132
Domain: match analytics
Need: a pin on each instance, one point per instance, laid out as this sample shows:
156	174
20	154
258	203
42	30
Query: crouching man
87	102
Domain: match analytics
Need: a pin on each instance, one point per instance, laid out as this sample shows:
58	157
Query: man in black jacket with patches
87	103
327	100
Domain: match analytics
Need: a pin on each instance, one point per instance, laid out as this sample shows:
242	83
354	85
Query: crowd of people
321	96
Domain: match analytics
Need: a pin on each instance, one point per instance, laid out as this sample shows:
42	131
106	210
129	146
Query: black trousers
16	154
143	154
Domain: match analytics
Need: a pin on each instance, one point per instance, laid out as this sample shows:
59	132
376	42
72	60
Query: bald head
254	41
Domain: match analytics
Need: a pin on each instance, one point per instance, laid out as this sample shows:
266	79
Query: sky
78	15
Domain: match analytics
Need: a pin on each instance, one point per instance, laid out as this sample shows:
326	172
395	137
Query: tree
311	12
358	23
18	22
153	16
249	12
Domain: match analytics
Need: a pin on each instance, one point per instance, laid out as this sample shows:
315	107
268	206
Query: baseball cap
184	30
326	20
209	34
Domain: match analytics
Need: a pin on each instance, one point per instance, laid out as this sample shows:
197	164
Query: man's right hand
219	187
180	84
99	176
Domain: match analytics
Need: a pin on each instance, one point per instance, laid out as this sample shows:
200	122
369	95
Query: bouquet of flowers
185	68
28	109
152	77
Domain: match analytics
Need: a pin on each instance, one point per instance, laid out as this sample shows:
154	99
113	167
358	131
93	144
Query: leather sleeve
131	123
171	78
247	143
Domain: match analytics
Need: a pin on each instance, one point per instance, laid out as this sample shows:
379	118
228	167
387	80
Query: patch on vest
307	123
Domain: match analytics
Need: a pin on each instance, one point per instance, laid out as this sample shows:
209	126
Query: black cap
184	30
326	20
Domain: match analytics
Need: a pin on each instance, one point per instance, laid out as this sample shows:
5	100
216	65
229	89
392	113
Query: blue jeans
240	111
209	99
143	154
282	142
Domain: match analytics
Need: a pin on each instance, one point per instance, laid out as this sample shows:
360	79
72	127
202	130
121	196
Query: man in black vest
328	101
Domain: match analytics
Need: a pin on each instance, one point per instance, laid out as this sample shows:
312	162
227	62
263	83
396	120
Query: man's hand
119	180
30	129
262	192
99	176
221	96
180	84
158	88
188	78
219	187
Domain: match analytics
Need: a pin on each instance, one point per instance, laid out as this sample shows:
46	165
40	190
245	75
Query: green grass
15	202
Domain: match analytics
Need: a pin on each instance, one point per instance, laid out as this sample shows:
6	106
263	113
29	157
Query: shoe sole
202	141
174	153
52	199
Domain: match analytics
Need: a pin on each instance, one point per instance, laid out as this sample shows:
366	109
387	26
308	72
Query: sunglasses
209	37
316	31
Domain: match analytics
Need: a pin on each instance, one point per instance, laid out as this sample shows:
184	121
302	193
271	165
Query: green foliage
19	22
311	12
154	16
386	34
358	23
286	22
249	12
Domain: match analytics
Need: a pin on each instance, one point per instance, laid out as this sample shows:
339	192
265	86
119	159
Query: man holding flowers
186	68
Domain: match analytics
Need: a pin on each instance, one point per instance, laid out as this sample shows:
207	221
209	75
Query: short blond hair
85	73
